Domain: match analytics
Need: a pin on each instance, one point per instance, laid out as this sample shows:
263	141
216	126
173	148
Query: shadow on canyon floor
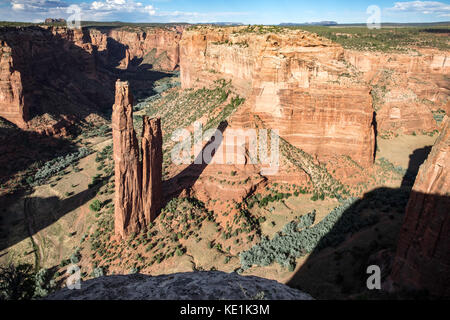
365	234
186	179
19	149
337	267
33	214
415	161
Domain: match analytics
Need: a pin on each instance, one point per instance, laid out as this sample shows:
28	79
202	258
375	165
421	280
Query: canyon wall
157	47
422	260
138	184
407	87
12	106
56	71
293	81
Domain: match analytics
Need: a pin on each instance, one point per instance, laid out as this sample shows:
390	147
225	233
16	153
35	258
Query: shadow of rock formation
34	214
19	149
412	252
186	179
415	161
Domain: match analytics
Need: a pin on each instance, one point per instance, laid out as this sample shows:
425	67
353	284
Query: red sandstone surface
138	183
293	81
422	260
60	71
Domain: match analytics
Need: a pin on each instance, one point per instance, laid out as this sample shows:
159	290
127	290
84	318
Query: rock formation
55	20
138	183
12	105
206	285
151	167
59	71
156	47
407	87
422	260
293	80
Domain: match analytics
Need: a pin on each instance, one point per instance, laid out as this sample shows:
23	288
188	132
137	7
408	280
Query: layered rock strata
294	81
138	183
407	87
422	260
12	106
59	71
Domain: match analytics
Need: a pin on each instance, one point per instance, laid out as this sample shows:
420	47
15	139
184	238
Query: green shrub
95	206
298	238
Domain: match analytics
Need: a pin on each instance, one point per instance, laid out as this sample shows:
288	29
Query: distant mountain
227	23
320	23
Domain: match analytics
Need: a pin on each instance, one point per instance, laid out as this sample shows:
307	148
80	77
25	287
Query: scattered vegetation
300	237
22	282
385	39
52	167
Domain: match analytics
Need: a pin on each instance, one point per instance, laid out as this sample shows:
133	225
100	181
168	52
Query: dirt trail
35	243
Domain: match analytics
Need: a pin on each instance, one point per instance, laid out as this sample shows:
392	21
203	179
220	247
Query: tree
95	205
17	282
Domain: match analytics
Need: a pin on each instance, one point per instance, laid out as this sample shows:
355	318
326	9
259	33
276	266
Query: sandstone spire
422	260
12	105
151	167
138	184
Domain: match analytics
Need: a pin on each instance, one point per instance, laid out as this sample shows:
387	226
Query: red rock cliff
12	105
407	87
157	47
138	184
422	260
293	80
58	71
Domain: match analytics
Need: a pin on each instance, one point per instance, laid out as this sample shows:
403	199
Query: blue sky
245	11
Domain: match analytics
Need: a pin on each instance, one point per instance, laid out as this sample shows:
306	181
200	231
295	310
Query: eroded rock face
137	183
59	71
50	70
158	48
408	87
12	105
151	167
422	260
294	81
207	285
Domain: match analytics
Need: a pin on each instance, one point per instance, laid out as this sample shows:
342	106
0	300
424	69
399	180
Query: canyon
280	74
354	128
293	82
56	71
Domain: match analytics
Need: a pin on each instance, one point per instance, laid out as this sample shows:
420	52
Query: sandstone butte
138	183
292	81
422	260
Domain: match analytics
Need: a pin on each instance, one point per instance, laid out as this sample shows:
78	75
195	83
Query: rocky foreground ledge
207	285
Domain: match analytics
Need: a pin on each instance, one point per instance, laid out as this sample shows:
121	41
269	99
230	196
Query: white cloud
423	7
101	9
107	10
122	6
18	6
